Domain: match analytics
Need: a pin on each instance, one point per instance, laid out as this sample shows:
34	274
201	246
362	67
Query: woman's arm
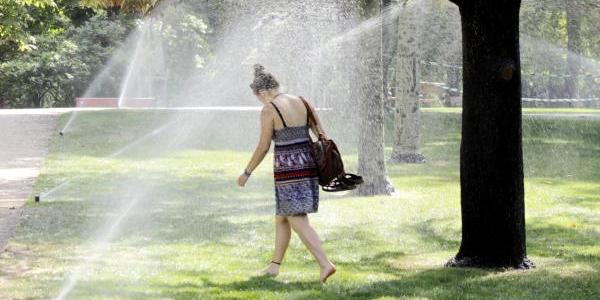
264	144
318	127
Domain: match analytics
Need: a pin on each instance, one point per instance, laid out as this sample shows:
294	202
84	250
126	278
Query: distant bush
59	67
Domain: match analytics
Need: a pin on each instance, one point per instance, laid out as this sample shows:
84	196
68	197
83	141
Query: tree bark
574	47
491	158
453	75
371	160
453	58
407	113
389	24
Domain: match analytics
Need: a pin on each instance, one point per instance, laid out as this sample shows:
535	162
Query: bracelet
247	173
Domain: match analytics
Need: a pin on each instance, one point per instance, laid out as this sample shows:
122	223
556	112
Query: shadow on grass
194	209
440	283
433	283
434	236
562	242
419	284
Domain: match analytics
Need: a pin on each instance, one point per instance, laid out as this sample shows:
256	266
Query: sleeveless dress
295	171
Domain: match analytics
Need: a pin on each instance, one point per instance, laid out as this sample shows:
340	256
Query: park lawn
192	234
526	110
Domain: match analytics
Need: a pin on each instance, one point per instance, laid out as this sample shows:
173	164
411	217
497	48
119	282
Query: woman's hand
242	180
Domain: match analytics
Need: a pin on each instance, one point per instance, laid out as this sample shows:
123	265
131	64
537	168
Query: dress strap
279	113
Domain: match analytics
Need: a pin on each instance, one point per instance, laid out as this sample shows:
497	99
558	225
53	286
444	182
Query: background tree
491	157
21	20
114	7
67	46
61	66
559	50
407	112
389	23
371	160
452	54
573	15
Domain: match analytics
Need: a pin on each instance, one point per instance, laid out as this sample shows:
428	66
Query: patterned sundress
295	171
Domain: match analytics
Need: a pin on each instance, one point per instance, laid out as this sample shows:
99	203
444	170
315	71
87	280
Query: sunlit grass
196	235
525	110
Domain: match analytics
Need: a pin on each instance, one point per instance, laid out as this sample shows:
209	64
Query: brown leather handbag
332	176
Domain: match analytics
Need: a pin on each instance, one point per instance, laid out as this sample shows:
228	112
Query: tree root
475	262
408	158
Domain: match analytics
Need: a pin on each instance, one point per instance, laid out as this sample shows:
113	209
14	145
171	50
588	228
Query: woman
284	118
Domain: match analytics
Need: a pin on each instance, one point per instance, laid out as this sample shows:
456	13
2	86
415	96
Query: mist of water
313	47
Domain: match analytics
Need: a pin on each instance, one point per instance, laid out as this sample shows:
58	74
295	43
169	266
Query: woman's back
292	110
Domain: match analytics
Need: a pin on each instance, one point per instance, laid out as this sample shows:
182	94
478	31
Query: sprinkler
37	198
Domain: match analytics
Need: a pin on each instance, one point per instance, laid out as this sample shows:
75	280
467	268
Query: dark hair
263	80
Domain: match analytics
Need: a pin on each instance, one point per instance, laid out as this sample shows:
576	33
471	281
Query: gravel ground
24	139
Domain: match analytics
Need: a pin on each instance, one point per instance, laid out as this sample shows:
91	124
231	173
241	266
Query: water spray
131	66
114	154
275	18
101	246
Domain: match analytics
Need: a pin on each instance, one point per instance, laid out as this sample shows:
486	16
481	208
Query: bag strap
310	116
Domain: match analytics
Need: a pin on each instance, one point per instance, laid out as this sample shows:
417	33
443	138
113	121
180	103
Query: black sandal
351	179
337	185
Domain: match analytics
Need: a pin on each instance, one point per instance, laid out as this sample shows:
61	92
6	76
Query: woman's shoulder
267	109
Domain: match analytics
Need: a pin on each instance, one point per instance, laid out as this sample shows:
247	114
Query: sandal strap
274	262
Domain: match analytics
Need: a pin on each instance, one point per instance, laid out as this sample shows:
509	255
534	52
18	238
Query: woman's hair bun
263	80
259	70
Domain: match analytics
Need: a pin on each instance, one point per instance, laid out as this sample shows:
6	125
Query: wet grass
526	110
194	235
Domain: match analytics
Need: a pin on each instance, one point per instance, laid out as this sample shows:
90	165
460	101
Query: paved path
24	139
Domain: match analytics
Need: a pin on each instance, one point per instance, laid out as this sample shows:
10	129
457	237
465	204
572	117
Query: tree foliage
53	49
60	67
544	36
21	19
143	6
29	27
186	45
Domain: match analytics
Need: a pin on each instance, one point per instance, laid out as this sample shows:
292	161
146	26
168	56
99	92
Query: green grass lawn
191	233
527	110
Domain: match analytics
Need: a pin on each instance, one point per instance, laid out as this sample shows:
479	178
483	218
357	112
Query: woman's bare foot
271	270
327	271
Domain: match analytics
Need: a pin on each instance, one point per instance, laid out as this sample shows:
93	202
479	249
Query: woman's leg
310	238
283	233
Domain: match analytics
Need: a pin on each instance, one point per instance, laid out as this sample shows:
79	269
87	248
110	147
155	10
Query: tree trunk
453	75
491	158
407	113
574	48
453	58
113	12
371	161
389	24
